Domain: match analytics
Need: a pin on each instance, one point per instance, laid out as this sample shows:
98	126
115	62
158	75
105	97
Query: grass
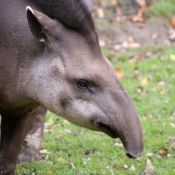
164	8
150	81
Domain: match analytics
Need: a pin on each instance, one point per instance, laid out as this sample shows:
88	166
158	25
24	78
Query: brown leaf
118	168
119	72
173	21
163	151
32	159
138	17
147	116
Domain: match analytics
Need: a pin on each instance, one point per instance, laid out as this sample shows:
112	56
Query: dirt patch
154	30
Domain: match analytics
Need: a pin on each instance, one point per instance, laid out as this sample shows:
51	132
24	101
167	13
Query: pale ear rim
33	21
28	8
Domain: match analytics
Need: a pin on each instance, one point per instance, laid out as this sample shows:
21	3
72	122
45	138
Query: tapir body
51	58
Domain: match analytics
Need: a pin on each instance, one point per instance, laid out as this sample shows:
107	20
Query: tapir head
74	79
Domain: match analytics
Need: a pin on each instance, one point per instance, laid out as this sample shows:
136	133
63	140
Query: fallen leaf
141	3
161	83
47	125
148	169
149	54
173	21
48	171
138	17
144	81
130	40
134	45
172	57
119	72
118	144
102	43
154	89
113	2
163	151
65	121
60	159
118	168
100	13
141	90
132	168
149	155
157	138
44	151
51	121
147	116
155	36
136	73
100	168
32	159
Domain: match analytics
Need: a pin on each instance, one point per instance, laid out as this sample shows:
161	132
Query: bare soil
154	30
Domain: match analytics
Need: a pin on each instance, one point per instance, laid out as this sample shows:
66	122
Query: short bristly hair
73	13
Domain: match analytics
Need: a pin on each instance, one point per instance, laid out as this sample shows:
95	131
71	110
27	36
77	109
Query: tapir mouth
106	129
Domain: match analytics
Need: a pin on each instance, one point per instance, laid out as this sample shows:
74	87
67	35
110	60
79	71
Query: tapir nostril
130	156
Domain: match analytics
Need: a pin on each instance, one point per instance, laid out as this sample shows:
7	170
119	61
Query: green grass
77	151
161	8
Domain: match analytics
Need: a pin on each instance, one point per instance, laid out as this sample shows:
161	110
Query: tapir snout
128	127
120	120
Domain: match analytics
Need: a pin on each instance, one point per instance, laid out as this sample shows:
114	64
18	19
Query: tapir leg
30	150
13	132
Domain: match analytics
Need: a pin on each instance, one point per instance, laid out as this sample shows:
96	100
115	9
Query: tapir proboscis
51	58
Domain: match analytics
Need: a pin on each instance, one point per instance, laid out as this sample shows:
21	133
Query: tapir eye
83	84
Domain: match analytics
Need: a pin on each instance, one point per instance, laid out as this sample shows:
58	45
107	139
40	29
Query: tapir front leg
31	146
13	132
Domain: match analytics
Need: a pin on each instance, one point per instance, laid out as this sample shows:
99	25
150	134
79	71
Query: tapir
50	58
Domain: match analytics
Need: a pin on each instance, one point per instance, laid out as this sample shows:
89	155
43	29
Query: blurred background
134	23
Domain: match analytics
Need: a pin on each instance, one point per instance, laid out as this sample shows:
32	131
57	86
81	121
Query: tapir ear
39	24
89	4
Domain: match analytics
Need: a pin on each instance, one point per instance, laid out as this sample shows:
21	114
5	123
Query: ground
154	30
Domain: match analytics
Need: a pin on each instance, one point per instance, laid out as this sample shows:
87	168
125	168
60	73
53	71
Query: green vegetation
161	8
148	75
